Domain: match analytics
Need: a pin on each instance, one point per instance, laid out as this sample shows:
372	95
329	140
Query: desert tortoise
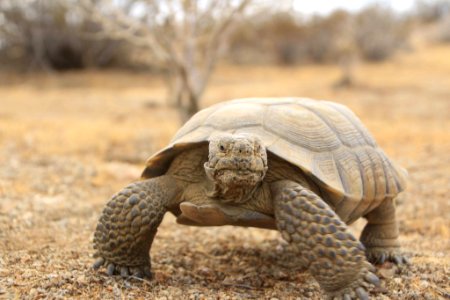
304	167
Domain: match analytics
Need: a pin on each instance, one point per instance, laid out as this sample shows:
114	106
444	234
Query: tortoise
305	167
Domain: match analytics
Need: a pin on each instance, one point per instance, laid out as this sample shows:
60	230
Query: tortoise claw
110	269
373	279
381	259
362	294
398	260
359	288
124	272
137	272
98	263
406	261
148	272
381	255
401	260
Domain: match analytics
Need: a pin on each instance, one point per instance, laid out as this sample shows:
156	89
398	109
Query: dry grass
67	142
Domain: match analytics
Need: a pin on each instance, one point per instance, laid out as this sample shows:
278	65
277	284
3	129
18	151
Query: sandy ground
68	142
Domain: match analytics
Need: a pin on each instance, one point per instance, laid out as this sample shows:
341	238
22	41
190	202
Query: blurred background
90	88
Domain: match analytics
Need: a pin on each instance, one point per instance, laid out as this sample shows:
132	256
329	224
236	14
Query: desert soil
69	141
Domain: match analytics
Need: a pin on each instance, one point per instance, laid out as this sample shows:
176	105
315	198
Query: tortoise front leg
129	223
380	235
330	252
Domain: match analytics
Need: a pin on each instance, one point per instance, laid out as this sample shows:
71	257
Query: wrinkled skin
237	165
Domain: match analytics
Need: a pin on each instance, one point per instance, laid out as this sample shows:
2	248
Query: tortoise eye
222	148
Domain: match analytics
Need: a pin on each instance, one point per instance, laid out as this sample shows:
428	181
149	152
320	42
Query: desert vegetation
72	136
183	41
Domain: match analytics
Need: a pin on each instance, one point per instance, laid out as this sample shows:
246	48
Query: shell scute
325	139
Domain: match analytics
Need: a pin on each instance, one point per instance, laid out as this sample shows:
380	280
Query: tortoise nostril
242	149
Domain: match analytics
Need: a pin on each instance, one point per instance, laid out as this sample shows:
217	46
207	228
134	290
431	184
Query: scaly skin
216	185
129	223
334	257
380	236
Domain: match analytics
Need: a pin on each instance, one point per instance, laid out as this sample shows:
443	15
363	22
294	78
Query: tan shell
324	139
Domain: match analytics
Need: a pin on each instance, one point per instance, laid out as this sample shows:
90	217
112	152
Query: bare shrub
432	11
287	35
374	34
326	37
244	44
288	39
443	30
379	33
275	38
51	34
185	37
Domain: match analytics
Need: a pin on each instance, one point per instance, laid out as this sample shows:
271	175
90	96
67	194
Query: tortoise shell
324	139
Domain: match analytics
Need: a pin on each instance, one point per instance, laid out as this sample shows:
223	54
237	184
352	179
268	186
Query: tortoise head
237	163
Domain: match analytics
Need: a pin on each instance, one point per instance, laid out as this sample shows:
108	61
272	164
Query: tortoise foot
379	255
124	271
358	288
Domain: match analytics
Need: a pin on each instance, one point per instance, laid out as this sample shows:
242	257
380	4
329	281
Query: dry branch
185	37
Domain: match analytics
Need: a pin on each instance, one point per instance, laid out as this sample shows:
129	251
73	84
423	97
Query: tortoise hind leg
380	235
